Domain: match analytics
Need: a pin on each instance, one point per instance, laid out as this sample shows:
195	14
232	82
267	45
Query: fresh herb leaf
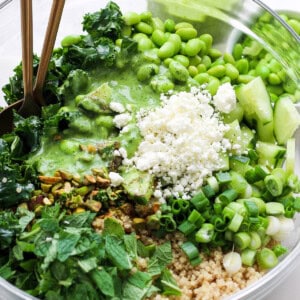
103	281
113	227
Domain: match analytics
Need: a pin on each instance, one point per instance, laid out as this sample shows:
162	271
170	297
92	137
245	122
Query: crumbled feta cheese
117	107
122	120
4	179
225	99
181	143
18	189
115	178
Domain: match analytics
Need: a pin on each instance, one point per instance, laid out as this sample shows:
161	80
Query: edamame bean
201	68
182	59
195	60
213	85
126	30
105	121
262	70
214	53
151	56
178	71
183	25
186	33
193	47
137	36
207	39
242	65
161	84
295	24
70	40
169	25
289	86
228	58
146	71
145	44
193	71
158	37
81	124
202	78
245	78
237	51
231	71
274	65
275	89
225	79
168	49
146	15
206	60
144	28
157	23
118	42
131	18
176	40
167	61
217	71
274	79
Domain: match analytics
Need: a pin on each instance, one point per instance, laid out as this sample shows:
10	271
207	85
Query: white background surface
10	54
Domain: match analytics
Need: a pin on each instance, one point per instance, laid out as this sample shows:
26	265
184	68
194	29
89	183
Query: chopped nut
91	149
67	187
156	207
45	187
50	179
127	208
90	178
56	187
103	182
83	190
79	210
47	201
65	175
93	205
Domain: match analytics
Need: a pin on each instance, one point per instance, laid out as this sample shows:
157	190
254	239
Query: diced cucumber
236	114
290	156
270	155
286	120
239	164
138	185
223	161
246	139
256	103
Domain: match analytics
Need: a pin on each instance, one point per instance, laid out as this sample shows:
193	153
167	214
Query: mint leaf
140	279
66	244
88	264
169	284
113	227
103	281
163	253
131	245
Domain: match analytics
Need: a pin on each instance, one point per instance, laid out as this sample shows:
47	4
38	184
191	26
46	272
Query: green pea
158	37
231	71
146	71
195	60
186	33
169	25
178	71
193	47
242	65
176	40
228	58
202	78
214	53
274	79
161	84
262	70
144	28
145	44
193	71
157	23
217	71
218	61
151	55
207	39
69	146
168	49
245	78
237	51
182	59
213	85
183	25
70	40
131	18
146	15
201	68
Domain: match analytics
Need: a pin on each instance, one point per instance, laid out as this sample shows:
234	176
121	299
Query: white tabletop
290	287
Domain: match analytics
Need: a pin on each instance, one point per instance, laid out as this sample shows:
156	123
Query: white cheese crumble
182	141
117	107
225	99
122	120
115	179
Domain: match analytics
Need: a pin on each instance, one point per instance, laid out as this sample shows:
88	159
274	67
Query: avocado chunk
138	185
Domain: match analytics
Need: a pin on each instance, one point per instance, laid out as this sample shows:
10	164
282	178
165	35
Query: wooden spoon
33	97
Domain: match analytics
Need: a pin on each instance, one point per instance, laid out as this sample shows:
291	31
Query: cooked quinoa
207	281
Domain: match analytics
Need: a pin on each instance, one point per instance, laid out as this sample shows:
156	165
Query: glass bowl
227	23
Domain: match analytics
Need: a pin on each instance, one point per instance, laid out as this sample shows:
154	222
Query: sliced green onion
196	261
190	250
266	258
256	174
235	222
252	208
242	240
218	223
279	250
248	257
274	185
228	235
238	208
167	222
274	208
213	183
228	213
200	201
195	218
228	196
252	154
187	227
232	262
205	233
179	206
208	191
255	241
223	177
286	227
